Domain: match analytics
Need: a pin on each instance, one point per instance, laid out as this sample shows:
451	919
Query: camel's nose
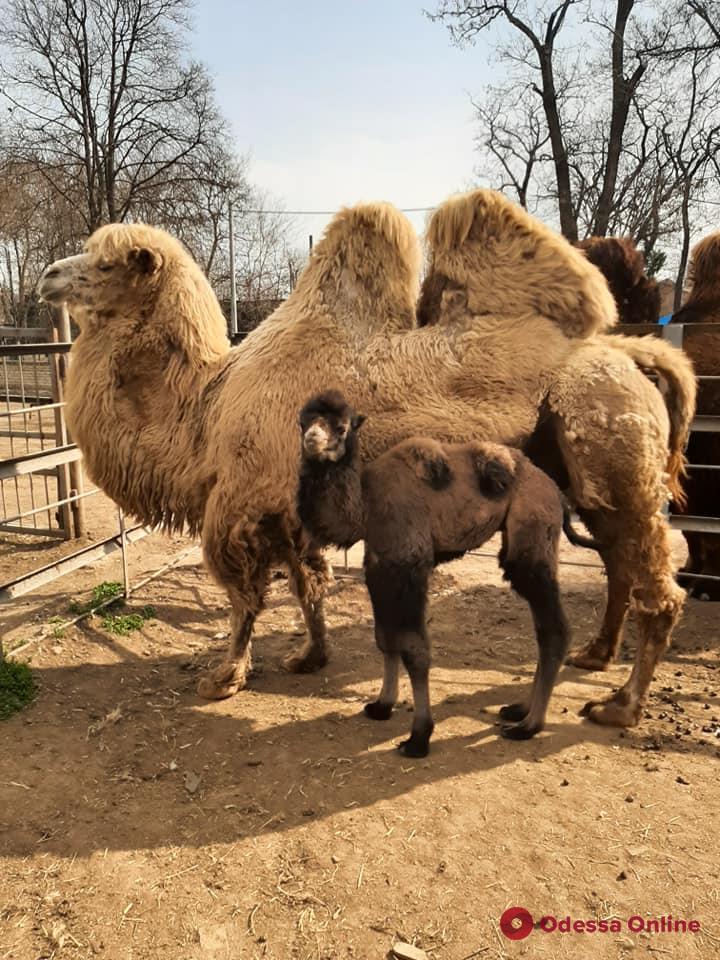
51	272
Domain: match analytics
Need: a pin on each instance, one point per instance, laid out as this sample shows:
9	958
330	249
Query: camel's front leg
310	577
232	674
239	559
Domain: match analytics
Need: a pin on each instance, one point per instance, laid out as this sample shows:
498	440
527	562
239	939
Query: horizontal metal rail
20	333
695	524
96	551
30	462
704	423
29	411
51	506
34	531
27	349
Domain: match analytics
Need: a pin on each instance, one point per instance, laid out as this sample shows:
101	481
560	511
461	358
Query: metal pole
123	551
233	290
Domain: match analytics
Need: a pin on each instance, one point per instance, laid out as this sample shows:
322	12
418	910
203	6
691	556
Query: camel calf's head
328	425
121	265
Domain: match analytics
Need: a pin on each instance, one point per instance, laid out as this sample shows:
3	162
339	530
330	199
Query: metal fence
41	486
42	490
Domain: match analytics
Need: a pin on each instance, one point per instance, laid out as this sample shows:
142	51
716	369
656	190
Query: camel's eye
105	267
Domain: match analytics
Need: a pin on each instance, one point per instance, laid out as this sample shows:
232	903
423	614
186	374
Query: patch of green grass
17	687
124	623
107	590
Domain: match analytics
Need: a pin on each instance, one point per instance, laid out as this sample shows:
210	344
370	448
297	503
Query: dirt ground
139	822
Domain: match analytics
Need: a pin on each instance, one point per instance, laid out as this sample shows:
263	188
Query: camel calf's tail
678	386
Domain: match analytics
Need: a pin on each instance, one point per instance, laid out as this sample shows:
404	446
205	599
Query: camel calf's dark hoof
414	748
378	710
513	712
519	731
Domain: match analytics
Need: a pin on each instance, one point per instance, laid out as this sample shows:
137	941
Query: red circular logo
516	923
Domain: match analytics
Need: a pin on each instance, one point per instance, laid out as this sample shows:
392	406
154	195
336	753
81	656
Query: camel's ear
147	261
357	421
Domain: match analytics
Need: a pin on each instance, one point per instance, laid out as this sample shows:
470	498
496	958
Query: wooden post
62	470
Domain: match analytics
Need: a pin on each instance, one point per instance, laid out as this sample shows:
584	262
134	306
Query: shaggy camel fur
604	432
180	429
703	306
419	504
636	295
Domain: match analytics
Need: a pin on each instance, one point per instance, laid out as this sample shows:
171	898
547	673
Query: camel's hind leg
310	576
613	435
658	601
602	650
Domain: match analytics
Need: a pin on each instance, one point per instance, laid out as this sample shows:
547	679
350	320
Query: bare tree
105	89
626	138
513	136
537	35
691	138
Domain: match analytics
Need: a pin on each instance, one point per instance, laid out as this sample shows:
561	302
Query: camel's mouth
54	290
320	443
57	282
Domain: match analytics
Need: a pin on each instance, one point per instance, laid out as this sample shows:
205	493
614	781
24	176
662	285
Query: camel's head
121	267
328	425
143	285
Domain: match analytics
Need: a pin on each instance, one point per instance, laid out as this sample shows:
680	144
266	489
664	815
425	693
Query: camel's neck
140	420
330	500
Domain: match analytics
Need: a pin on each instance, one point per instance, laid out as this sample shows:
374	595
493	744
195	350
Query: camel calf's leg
529	561
382	708
398	592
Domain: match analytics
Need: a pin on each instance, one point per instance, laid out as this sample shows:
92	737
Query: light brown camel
179	429
603	432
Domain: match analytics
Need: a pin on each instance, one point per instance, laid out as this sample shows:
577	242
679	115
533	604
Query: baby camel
419	504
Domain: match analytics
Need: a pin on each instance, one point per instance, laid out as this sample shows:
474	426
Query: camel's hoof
222	683
377	710
414	748
611	713
519	731
305	661
513	712
588	659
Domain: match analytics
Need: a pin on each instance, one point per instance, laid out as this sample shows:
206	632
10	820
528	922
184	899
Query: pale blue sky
338	101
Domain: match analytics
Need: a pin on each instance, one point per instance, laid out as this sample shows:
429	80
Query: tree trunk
685	250
568	220
622	93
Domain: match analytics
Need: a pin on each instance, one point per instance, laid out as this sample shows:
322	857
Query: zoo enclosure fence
42	491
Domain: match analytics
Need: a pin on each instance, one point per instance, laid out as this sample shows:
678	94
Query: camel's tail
678	386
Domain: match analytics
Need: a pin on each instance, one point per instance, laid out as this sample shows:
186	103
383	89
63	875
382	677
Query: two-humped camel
179	429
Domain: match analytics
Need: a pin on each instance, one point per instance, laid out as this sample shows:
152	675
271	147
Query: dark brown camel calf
417	505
